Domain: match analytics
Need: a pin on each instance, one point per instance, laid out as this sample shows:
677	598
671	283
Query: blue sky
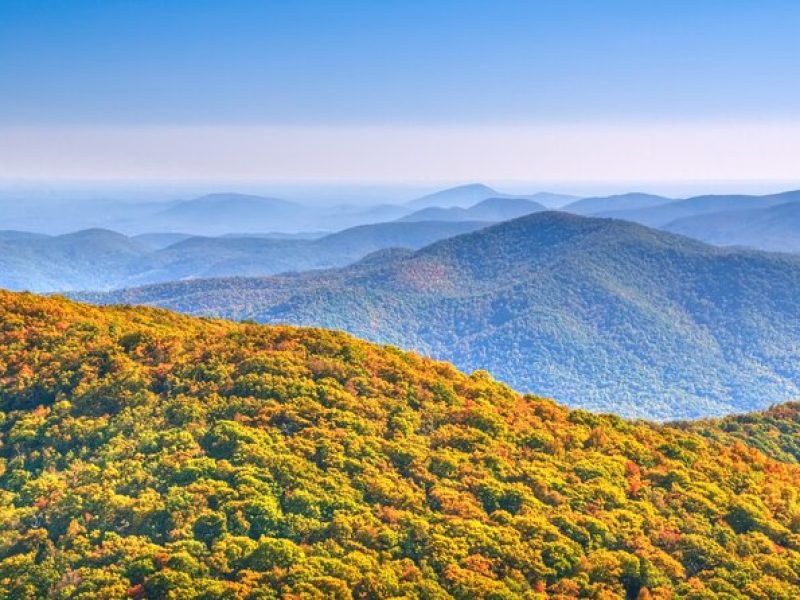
110	66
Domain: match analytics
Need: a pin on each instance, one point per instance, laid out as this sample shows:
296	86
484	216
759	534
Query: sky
568	91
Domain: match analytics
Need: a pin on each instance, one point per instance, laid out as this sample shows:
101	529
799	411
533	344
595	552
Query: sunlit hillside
151	455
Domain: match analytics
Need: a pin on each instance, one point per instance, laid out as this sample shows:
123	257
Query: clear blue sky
194	63
234	61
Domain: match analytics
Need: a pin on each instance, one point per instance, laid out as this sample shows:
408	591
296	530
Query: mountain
216	214
598	313
658	216
469	195
157	241
101	259
491	210
631	201
550	200
463	195
149	455
90	259
10	235
776	228
56	215
200	257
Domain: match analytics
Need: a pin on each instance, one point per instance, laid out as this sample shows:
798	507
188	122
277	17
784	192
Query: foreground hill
149	455
598	313
775	228
101	259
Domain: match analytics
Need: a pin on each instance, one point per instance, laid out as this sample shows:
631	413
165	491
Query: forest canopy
145	454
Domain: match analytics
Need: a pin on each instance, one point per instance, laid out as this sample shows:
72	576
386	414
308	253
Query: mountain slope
597	313
463	196
90	259
489	210
149	455
658	216
776	228
99	259
631	201
217	214
213	257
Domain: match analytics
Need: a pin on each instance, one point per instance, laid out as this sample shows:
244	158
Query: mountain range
598	313
227	212
663	214
604	204
775	228
100	259
491	209
145	454
159	224
464	196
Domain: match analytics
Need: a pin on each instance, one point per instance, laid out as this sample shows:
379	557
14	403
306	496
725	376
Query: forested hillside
145	454
598	313
776	228
100	259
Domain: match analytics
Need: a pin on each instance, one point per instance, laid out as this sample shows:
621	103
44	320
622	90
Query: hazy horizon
417	92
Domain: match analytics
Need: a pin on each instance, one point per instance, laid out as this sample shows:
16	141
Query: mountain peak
461	196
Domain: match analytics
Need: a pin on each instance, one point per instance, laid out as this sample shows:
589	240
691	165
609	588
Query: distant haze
588	152
427	92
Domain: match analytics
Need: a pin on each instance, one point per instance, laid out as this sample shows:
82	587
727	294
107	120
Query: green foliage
149	455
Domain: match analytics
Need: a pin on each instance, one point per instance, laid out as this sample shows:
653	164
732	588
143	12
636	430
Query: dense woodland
146	454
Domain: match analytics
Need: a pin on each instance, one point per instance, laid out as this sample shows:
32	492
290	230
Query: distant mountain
631	201
200	257
157	241
551	200
598	313
776	228
216	214
661	215
100	259
490	210
55	216
90	259
277	235
469	195
20	236
463	196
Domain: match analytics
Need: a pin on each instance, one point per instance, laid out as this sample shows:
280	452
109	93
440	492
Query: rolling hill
464	196
101	259
661	215
604	204
217	214
149	455
90	259
598	313
776	228
489	210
